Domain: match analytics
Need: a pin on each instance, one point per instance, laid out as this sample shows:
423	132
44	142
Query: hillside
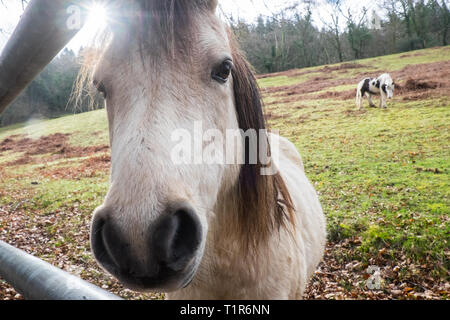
382	176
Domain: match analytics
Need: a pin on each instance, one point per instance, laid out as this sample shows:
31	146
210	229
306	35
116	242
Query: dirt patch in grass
427	72
269	115
43	145
286	100
423	88
414	82
418	96
344	66
91	167
56	145
290	73
354	112
341	95
310	86
316	84
9	143
301	106
298	72
418	54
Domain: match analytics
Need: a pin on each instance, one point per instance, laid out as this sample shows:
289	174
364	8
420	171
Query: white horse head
387	84
174	67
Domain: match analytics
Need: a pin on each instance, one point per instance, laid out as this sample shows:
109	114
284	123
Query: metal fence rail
37	280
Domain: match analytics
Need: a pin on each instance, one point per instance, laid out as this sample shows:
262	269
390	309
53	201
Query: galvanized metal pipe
37	280
42	32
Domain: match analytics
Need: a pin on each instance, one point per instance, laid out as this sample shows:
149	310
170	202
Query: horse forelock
164	24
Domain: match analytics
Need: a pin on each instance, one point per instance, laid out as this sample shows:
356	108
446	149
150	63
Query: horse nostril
98	244
108	246
176	238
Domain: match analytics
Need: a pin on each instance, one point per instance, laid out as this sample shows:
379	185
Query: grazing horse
383	86
196	230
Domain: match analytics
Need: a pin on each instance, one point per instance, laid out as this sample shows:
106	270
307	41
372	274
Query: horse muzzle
171	256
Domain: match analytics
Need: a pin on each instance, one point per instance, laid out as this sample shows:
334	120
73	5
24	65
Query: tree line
291	39
48	95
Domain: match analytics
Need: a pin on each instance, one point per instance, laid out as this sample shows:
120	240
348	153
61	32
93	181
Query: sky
248	10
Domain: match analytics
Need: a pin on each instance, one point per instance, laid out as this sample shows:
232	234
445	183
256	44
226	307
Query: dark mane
265	204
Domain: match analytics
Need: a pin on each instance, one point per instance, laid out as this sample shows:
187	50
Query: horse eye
222	72
101	88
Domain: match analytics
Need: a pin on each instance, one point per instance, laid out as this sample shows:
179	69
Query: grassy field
382	176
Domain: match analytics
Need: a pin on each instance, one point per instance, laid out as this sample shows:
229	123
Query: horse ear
210	4
213	4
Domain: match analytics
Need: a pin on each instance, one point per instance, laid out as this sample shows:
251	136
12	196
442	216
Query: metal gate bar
37	280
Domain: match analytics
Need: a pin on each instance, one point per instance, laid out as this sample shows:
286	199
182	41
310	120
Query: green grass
374	171
282	80
90	128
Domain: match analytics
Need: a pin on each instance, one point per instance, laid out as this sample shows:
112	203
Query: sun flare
97	17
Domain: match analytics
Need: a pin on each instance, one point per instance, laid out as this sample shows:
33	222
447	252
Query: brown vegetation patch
9	143
301	106
289	73
314	85
426	72
341	95
56	145
354	112
418	54
43	145
344	66
414	82
417	96
303	118
421	81
321	78
432	170
424	87
283	101
269	115
89	168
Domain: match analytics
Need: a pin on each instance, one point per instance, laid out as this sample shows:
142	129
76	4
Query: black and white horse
383	86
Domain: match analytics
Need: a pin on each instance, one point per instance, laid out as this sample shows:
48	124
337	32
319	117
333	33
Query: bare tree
357	31
3	3
332	24
24	3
